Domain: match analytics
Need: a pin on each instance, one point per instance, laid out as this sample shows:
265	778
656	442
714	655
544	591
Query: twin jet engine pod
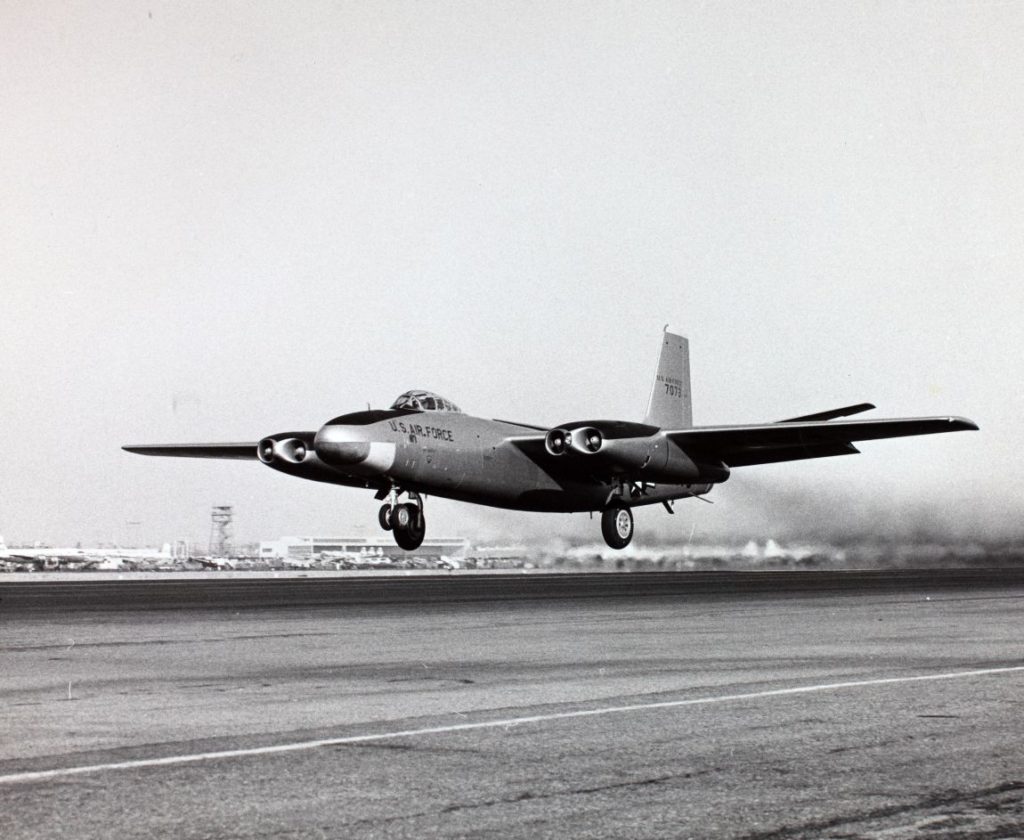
587	440
290	450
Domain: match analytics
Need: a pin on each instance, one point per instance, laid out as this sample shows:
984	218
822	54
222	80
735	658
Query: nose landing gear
406	520
409	526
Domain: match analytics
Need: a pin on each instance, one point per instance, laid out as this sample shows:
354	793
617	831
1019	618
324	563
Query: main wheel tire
384	517
617	526
401	516
410	526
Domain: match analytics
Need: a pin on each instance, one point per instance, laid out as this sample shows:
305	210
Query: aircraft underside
407	520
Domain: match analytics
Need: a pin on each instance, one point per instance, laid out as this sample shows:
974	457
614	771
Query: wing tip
962	424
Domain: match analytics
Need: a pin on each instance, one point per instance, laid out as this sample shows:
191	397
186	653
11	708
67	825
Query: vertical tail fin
670	406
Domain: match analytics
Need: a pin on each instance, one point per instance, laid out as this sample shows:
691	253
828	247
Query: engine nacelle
290	450
587	440
557	442
293	453
656	458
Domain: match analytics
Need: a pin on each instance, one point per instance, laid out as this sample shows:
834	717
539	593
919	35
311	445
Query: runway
887	712
217	590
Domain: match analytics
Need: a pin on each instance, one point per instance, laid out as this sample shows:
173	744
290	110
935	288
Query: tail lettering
670	406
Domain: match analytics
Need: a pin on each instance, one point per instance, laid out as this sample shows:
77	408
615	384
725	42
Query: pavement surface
881	714
62	591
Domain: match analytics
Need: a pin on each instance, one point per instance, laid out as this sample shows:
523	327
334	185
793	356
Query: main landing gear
617	526
406	520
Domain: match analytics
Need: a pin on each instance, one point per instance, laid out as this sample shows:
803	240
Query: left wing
239	451
794	440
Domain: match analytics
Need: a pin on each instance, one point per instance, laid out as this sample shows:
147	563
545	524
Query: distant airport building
300	550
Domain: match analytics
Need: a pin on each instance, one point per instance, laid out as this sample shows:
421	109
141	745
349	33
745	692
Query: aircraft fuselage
458	456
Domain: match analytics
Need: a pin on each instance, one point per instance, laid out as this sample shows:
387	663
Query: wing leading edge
237	451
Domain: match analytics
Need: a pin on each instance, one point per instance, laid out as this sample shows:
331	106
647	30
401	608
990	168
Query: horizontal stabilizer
833	414
239	451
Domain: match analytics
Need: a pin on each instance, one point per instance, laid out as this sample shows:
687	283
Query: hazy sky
225	220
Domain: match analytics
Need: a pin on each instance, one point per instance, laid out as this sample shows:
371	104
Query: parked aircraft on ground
424	444
83	558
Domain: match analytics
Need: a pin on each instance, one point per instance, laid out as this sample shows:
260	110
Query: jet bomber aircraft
425	445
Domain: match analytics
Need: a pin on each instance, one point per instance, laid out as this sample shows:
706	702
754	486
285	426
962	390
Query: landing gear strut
617	526
406	521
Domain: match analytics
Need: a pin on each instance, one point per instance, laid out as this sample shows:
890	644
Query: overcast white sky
225	220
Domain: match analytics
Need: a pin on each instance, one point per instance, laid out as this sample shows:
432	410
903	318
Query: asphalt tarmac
893	713
61	591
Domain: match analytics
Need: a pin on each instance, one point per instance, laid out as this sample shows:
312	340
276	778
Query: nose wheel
406	521
408	525
617	526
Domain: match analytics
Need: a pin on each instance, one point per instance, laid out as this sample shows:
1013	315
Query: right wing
238	451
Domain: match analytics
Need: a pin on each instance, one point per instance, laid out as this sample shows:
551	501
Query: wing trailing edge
237	451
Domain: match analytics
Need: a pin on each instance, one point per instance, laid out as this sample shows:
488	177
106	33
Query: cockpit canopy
425	401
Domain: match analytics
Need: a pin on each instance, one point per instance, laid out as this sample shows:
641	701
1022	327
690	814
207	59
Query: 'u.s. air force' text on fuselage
415	430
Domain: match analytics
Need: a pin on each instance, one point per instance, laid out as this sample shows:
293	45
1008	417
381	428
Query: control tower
221	517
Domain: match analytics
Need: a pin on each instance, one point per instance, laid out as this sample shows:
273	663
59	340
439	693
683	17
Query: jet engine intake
265	450
587	440
557	442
